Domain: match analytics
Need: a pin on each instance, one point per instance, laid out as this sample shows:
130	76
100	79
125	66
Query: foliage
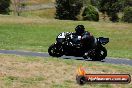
68	9
94	2
127	15
90	13
128	3
4	6
111	7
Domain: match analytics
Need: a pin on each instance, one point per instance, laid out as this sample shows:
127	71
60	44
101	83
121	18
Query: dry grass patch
40	1
43	13
24	20
31	72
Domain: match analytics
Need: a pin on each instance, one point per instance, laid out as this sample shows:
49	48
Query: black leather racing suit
85	39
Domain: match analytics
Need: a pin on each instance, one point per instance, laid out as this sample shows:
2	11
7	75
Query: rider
87	39
84	38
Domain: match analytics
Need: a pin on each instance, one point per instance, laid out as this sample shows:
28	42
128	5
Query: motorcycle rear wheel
99	54
55	50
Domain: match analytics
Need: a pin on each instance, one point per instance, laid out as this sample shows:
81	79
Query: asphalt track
40	54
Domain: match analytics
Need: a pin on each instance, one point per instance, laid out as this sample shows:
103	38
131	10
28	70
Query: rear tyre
99	54
55	50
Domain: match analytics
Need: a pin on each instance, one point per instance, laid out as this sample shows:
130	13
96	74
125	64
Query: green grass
36	72
37	34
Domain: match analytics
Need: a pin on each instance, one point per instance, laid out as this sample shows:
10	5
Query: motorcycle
66	46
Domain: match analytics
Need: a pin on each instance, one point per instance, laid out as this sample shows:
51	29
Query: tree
18	5
4	6
94	2
127	17
111	8
127	3
68	9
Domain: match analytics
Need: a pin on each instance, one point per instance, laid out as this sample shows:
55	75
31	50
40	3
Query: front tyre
55	50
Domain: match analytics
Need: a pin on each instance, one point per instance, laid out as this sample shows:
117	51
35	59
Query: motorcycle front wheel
55	50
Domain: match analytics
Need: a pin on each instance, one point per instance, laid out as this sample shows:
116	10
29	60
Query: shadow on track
78	58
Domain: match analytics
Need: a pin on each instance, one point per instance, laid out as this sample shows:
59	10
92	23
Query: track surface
28	53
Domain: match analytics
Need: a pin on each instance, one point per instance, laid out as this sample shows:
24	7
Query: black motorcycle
69	46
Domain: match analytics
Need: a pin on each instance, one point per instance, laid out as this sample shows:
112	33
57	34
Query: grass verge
36	72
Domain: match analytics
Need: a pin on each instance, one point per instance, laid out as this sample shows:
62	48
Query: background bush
111	8
127	17
90	13
127	3
68	9
4	6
